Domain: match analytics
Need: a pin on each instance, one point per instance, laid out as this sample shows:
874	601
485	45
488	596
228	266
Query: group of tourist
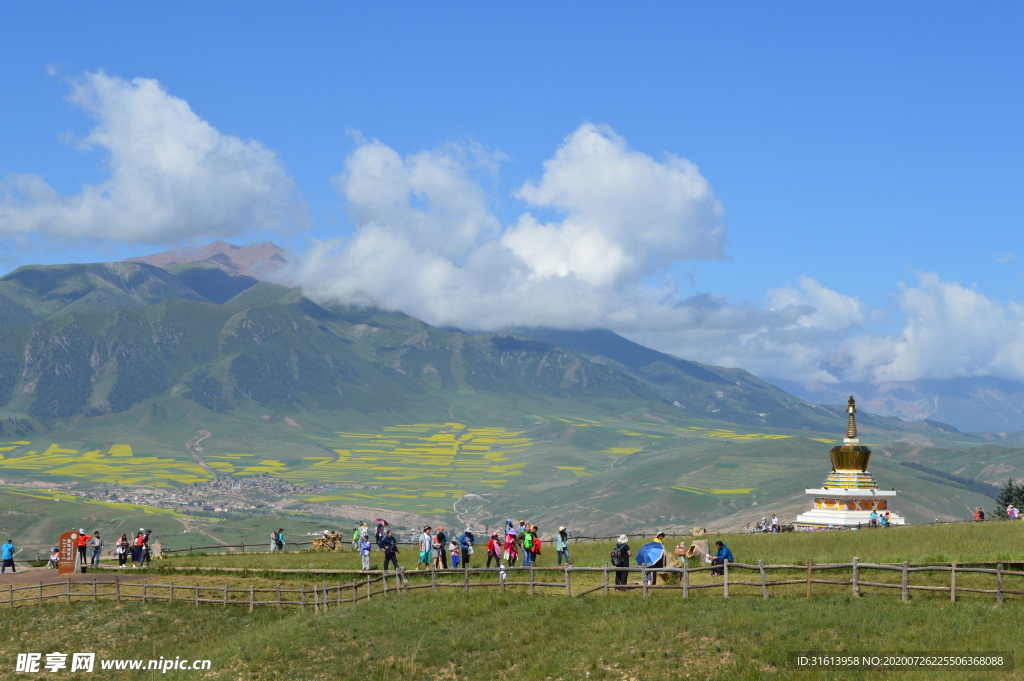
879	519
436	548
766	525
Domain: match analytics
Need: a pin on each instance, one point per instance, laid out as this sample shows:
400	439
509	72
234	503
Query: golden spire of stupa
851	424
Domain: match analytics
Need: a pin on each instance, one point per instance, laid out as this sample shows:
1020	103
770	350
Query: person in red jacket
494	550
83	545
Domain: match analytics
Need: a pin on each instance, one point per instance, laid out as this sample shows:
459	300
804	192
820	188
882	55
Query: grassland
488	635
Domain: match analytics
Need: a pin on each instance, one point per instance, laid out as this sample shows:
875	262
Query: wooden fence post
764	581
433	578
855	579
337	594
533	585
94	588
225	594
10	596
905	584
117	590
302	595
643	578
252	597
197	594
143	591
952	583
725	577
809	563
999	584
686	578
172	592
465	581
568	589
243	548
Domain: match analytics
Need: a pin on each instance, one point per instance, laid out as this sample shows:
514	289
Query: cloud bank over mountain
593	240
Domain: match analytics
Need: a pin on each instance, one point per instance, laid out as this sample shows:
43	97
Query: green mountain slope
129	374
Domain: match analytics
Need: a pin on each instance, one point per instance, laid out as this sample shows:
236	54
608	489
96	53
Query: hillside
132	375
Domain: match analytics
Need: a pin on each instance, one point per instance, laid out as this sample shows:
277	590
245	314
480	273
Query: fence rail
320	596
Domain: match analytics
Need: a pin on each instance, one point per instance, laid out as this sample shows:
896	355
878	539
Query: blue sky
823	192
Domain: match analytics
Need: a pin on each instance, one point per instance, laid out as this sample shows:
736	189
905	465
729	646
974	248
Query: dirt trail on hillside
195	451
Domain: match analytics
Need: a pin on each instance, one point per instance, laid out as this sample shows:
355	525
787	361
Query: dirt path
195	450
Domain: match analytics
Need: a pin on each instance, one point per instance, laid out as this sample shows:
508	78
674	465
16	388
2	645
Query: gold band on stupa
850	460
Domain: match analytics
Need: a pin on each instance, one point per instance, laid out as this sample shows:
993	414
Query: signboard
68	545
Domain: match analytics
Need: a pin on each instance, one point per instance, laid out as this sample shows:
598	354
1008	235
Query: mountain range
566	424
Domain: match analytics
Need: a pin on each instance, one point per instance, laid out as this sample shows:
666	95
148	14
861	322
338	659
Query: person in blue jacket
7	555
724	554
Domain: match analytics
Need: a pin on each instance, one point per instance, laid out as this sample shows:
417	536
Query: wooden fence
319	597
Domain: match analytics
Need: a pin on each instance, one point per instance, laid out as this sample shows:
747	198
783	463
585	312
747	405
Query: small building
850	494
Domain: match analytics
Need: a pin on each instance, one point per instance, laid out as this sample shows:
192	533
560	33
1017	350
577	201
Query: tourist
658	564
620	559
535	545
83	546
466	541
426	541
453	549
775	523
54	561
981	513
97	548
887	523
723	556
147	555
390	547
441	548
378	536
7	555
562	546
122	549
280	539
874	519
493	550
511	552
137	548
355	537
273	541
526	541
364	551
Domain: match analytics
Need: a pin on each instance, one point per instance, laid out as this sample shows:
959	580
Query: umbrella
649	554
381	521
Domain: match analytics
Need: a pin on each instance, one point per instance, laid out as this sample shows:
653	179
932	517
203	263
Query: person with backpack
390	546
147	554
273	541
562	546
378	536
536	546
466	541
620	559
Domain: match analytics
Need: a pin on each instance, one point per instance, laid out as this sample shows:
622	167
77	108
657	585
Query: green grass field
622	636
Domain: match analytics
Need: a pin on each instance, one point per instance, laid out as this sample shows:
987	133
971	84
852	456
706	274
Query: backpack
619	558
536	546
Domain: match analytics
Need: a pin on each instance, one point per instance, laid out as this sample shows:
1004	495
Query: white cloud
949	331
625	213
173	177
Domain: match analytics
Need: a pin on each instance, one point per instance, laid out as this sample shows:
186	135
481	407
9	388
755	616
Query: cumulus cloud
426	242
624	214
173	176
949	331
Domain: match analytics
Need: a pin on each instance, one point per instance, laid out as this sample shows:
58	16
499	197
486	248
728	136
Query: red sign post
68	546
